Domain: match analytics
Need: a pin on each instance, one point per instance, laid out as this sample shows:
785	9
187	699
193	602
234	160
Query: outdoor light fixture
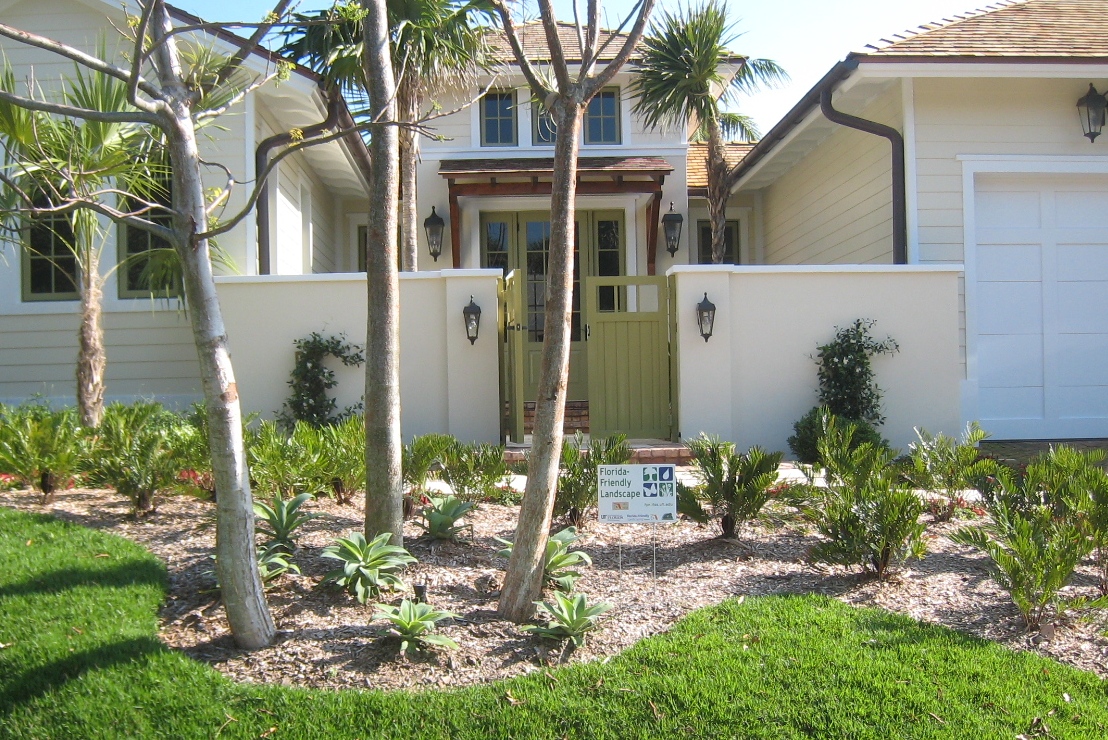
433	225
671	222
1091	108
472	316
706	317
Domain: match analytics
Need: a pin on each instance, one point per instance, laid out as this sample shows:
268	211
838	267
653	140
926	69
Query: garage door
1042	306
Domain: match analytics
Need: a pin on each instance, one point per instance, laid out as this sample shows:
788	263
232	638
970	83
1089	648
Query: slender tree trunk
524	579
408	104
236	559
717	191
92	357
384	492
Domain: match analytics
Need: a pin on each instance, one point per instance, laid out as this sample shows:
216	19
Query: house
939	182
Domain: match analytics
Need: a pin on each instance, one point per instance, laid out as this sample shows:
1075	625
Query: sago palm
682	77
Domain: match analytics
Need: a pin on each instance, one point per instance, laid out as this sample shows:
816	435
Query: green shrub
811	427
343	457
280	519
274	562
414	623
559	562
946	467
846	378
736	486
474	472
571	618
1033	553
39	446
870	517
576	495
367	567
287	463
136	451
423	458
441	515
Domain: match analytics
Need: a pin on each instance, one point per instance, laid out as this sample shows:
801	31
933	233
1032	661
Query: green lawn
81	660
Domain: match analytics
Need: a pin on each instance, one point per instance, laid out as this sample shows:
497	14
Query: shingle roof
697	162
532	38
1013	28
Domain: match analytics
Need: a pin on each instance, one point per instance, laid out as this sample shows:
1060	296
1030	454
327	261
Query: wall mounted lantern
472	316
706	317
433	225
671	223
1091	108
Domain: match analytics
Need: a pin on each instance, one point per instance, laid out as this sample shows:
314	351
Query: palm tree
56	160
436	48
681	78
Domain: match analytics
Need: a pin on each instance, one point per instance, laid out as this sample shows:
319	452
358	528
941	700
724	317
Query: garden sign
637	494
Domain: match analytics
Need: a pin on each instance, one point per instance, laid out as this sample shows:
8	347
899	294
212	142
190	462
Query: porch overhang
534	176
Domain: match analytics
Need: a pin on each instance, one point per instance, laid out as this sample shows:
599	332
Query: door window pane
495	239
607	261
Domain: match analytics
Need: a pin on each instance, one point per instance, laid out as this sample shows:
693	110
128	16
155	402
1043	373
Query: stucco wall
835	205
755	377
446	384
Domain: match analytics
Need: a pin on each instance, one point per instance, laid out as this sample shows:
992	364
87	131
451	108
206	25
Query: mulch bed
326	639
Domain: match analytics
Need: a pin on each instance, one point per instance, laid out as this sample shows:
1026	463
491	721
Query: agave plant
414	623
274	562
736	486
559	562
367	567
571	618
441	516
279	519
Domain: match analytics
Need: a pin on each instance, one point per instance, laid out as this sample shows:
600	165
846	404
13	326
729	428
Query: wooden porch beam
455	228
589	187
653	214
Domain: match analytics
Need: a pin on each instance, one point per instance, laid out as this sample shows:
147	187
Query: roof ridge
895	38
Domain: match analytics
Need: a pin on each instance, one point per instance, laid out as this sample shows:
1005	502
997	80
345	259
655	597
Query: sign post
637	494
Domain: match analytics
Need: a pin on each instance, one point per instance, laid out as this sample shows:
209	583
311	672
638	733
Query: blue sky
805	36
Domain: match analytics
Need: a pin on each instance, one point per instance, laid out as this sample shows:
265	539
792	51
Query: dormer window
602	118
498	118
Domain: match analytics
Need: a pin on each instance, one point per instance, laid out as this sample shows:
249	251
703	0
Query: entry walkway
642	451
1022	451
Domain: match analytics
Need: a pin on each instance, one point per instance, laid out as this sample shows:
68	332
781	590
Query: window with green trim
730	243
498	119
146	264
50	269
602	118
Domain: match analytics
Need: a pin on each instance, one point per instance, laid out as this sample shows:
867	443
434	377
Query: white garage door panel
1010	360
1082	261
1041	305
1009	262
999	404
1010	308
1008	209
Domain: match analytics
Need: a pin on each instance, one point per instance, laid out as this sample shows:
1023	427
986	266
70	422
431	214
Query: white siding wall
835	205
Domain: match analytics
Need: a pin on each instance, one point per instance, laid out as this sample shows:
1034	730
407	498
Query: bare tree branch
236	98
72	111
588	50
612	36
137	57
245	50
643	7
557	55
529	72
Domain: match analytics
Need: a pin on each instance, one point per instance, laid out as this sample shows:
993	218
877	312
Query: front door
521	242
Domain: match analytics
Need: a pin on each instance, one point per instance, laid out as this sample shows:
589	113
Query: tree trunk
408	104
717	191
92	358
524	579
236	557
384	492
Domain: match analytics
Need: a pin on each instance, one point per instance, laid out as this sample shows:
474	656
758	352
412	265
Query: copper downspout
900	209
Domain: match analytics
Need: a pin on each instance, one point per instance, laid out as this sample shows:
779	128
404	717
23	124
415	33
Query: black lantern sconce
472	316
706	317
1091	108
433	225
671	223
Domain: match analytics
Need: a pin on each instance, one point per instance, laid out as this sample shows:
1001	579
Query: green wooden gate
627	340
511	371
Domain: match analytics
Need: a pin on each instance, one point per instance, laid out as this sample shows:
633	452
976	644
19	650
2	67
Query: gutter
338	116
900	224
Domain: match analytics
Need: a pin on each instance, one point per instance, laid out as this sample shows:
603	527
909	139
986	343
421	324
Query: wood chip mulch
326	639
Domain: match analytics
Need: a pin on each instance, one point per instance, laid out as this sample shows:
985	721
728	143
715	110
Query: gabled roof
697	163
1017	28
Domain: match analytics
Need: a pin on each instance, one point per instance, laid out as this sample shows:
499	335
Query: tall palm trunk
408	105
236	560
92	357
717	190
523	582
384	493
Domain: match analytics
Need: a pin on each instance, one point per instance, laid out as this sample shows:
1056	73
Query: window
730	243
498	119
50	271
602	118
143	270
542	126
